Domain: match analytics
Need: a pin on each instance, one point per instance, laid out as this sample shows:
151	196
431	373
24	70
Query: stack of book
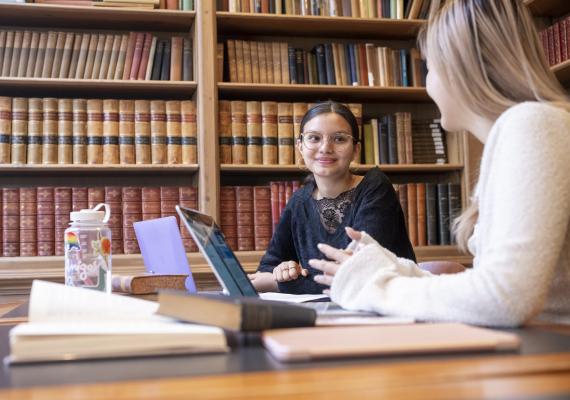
263	132
34	219
95	131
184	5
92	55
352	64
556	41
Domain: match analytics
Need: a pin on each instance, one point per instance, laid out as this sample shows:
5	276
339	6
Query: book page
56	302
291	298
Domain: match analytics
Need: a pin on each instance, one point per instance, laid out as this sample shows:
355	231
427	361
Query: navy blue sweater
375	209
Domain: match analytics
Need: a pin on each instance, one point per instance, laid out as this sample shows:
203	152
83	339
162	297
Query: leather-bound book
19	130
35	130
94	131
110	131
142	132
50	131
254	138
189	132
176	58
225	131
269	132
5	129
239	132
158	132
65	131
285	134
126	131
173	132
79	131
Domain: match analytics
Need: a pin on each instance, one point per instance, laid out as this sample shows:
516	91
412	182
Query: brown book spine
107	47
276	56
11	222
94	131
45	221
65	131
412	213
151	57
189	131
132	212
16	52
240	65
66	55
239	132
75	52
220	62
262	220
173	132
99	50
35	130
400	138
408	138
247	62
158	131
123	60
145	54
5	129
8	49
421	213
176	58
188	198
110	131
19	137
82	57
244	207
113	198
228	215
284	50
225	131
95	195
269	132
299	110
253	48
254	138
187	60
31	62
269	62
142	132
286	140
49	137
150	202
79	131
262	62
40	55
127	131
58	54
232	61
79	198
24	54
282	198
49	54
137	55
113	56
275	214
62	197
91	55
28	222
2	48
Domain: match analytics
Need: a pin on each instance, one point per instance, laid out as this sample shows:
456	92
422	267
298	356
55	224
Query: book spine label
65	131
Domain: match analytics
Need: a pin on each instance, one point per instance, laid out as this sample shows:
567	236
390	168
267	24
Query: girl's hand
329	267
263	282
288	271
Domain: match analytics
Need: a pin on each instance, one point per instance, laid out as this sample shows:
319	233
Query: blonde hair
490	53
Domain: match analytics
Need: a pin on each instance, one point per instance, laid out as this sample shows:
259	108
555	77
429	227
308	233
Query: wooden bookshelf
285	92
548	8
91	169
50	15
296	25
96	87
412	168
562	72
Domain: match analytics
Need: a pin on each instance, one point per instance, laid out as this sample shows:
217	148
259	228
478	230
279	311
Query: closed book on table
234	313
147	284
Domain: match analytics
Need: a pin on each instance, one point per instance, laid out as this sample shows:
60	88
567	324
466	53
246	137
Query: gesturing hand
288	271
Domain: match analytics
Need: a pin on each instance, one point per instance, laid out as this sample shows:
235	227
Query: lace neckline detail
332	211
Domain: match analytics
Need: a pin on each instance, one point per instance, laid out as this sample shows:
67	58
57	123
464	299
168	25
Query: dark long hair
330	106
327	107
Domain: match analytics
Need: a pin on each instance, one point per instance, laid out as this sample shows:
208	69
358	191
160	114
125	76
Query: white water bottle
88	249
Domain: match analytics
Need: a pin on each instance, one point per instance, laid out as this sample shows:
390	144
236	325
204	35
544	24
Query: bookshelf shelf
48	15
412	168
562	71
548	8
19	170
284	92
96	88
295	25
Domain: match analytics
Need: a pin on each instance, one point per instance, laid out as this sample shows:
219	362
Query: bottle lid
92	215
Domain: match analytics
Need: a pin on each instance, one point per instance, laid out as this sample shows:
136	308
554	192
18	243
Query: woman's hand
263	282
288	271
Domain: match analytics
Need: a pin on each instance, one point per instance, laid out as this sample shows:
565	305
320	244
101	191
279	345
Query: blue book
331	80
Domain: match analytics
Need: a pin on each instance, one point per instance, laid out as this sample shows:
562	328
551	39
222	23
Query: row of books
34	219
84	55
400	139
184	5
95	131
556	41
249	214
254	132
395	9
352	64
429	210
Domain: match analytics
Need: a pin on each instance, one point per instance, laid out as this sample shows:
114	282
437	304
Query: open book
67	323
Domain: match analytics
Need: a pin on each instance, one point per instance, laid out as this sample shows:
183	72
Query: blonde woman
488	75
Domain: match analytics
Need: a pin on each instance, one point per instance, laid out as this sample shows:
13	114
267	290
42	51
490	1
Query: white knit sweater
521	246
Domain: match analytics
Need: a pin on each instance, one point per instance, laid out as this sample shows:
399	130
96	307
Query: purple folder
162	248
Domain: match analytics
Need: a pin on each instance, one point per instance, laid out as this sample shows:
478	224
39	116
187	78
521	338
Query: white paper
364	320
291	298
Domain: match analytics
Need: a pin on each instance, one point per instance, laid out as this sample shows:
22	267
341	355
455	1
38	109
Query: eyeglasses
314	140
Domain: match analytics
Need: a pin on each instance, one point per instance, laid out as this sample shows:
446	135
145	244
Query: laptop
227	268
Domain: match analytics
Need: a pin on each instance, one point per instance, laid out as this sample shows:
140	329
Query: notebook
302	344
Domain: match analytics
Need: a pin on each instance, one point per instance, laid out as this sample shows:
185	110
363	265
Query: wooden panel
245	91
532	376
296	25
96	88
52	16
548	8
562	71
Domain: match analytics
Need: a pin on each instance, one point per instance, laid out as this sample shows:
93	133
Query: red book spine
282	198
189	199
113	198
275	214
132	212
141	74
151	206
137	55
79	198
28	222
45	221
228	215
262	221
557	46
62	197
244	207
288	191
11	222
95	195
564	39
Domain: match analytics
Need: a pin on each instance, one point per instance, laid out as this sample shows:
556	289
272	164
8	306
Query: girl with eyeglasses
487	75
331	200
